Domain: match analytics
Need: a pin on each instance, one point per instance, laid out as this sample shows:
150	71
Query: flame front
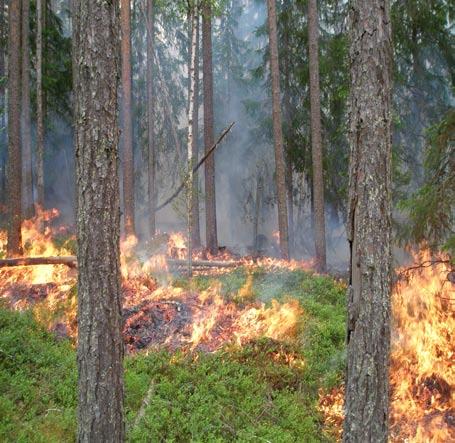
422	371
423	349
209	320
423	356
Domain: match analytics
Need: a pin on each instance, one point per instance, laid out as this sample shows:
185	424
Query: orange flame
422	372
212	320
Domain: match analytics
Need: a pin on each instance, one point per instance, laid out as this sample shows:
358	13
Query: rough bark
39	105
192	17
127	119
369	223
100	344
14	168
2	100
151	120
278	131
316	138
195	143
210	195
26	130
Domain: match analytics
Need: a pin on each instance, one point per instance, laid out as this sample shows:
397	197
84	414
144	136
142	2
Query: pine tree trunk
369	223
14	168
210	195
26	136
127	120
192	22
196	232
278	131
288	126
2	100
316	138
100	343
39	106
151	119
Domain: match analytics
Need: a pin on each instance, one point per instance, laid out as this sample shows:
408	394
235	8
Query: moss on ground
250	394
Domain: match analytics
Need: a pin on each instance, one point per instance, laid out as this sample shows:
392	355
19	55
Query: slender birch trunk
191	102
196	232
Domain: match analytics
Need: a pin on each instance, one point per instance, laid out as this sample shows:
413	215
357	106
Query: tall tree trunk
192	24
369	222
195	197
2	100
100	343
210	195
26	136
278	131
39	105
316	138
127	120
14	174
196	232
151	119
288	125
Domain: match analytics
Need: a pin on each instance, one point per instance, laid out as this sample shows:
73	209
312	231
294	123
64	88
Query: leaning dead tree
195	168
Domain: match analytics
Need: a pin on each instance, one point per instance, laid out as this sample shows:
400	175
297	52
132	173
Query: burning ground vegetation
247	350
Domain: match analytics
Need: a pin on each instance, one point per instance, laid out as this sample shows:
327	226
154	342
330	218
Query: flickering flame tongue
423	356
37	236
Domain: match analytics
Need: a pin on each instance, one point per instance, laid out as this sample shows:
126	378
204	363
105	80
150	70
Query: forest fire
161	315
422	372
154	315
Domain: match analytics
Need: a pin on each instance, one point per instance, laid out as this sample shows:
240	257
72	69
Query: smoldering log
70	261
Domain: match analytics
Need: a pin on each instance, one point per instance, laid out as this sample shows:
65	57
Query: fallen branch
203	263
70	261
195	168
144	405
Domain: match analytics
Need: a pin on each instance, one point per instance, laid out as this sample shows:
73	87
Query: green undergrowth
249	394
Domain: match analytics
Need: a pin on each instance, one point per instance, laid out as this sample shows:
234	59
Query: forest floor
260	390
